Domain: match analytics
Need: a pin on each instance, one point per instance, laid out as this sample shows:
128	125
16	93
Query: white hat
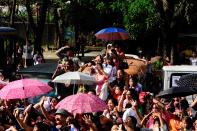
109	45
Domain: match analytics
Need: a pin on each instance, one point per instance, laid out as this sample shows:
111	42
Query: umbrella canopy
187	85
7	31
82	103
44	70
112	33
75	78
2	84
24	88
189	80
178	92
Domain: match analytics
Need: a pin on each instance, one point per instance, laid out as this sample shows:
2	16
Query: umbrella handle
74	89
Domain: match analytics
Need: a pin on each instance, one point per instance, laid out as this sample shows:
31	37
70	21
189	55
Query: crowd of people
130	107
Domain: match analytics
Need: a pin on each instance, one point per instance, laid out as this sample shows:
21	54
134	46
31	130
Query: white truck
173	73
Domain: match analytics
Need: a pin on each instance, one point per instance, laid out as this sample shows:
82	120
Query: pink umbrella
82	103
2	84
24	88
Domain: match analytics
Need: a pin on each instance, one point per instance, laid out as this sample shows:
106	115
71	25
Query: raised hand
87	119
134	103
28	108
16	112
155	101
41	103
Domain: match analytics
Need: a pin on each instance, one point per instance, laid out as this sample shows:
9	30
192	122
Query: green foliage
101	6
139	16
157	65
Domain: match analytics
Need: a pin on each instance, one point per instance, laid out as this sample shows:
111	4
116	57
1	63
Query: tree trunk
57	26
30	17
2	54
39	29
12	16
41	25
12	19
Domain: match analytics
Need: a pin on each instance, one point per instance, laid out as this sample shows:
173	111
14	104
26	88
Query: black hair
92	63
184	104
114	52
157	119
188	120
133	123
111	60
113	101
42	126
134	94
100	64
135	79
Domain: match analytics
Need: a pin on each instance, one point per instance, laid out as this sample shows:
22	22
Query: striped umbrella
112	33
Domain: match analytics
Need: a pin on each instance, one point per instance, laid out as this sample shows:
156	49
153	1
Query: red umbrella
82	103
24	88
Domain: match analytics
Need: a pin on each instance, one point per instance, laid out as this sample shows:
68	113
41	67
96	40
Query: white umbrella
75	78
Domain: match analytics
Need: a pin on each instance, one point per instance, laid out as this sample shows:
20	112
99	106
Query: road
50	56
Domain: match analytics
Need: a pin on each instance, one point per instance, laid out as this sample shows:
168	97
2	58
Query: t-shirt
193	61
130	112
27	52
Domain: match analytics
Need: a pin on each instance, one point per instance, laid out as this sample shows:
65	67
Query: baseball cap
62	112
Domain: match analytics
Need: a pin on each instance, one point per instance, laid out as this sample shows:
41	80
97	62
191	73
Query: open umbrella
82	103
112	33
7	31
2	84
75	78
178	92
24	88
189	80
187	85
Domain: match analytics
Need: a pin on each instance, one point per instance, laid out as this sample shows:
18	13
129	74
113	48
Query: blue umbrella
7	31
112	33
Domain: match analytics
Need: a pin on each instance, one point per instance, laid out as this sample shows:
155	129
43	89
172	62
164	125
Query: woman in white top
193	59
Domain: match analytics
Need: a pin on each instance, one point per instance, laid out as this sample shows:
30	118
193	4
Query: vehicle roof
180	68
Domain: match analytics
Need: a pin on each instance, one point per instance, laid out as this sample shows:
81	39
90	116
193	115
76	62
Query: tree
138	16
174	15
37	27
83	16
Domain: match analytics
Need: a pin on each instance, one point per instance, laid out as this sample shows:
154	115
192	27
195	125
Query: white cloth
130	112
107	68
164	128
193	61
111	71
125	102
47	104
104	92
27	52
38	59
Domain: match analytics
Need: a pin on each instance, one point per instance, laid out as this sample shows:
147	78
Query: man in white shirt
28	54
132	111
